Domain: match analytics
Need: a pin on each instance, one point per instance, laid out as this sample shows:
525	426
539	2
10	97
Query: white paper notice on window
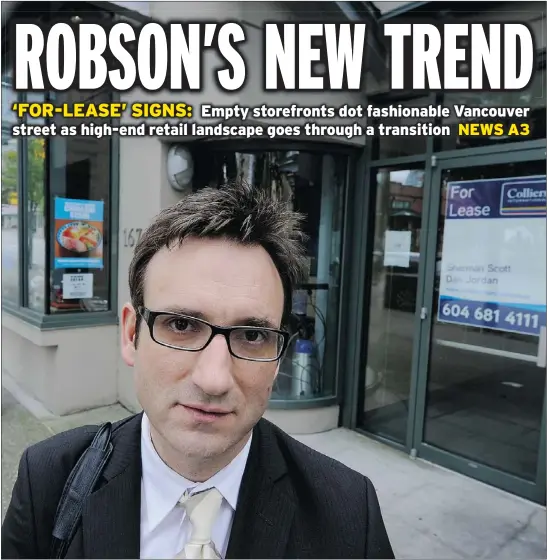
397	248
77	286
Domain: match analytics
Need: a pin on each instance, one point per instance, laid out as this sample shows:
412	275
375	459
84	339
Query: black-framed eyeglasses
182	332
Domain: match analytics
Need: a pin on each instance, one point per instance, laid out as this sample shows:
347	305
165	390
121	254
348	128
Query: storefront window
533	97
80	214
486	384
35	173
11	150
76	189
56	200
314	184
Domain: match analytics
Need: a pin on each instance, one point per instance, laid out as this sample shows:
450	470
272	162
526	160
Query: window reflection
10	196
35	184
386	368
485	391
80	174
313	184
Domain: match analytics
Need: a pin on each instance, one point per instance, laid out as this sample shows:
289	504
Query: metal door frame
432	197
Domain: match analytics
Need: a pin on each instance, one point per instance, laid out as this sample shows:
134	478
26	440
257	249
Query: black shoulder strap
79	485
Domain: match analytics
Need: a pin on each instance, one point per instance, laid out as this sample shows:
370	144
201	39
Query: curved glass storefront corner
314	183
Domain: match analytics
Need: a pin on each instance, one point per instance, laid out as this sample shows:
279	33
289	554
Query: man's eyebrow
259	322
185	311
256	322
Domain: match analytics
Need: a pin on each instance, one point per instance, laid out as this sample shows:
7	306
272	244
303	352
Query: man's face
226	284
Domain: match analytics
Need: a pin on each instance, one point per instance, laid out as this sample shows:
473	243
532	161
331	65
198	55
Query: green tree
35	182
9	175
36	155
35	174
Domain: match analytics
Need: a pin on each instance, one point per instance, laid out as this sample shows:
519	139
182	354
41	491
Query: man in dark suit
200	473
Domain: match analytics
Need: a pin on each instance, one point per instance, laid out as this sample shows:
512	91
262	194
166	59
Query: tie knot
202	509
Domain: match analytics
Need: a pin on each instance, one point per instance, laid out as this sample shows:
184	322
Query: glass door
393	325
480	405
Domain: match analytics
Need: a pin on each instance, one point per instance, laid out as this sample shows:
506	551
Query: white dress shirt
164	528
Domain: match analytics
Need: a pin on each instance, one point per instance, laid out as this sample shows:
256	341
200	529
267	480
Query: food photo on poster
78	233
490	274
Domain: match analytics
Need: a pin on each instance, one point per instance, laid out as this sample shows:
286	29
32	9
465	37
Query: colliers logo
523	198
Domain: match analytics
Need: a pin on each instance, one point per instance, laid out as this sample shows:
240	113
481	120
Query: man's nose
213	370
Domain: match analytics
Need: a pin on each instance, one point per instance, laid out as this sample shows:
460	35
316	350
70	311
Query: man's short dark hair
236	212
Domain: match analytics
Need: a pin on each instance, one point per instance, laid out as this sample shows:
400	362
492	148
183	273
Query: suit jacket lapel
263	518
265	508
111	515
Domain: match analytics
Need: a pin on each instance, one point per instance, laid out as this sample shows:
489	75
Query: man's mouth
204	413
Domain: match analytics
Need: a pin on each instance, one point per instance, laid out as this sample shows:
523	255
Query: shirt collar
163	487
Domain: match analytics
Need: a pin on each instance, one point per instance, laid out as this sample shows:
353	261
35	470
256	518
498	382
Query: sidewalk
429	512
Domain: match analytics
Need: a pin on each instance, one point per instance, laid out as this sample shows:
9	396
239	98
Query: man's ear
128	333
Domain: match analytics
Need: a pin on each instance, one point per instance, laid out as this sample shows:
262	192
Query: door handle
423	313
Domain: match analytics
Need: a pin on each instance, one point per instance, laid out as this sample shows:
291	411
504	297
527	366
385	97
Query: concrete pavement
19	429
429	512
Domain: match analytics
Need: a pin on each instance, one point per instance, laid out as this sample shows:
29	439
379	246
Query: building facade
376	348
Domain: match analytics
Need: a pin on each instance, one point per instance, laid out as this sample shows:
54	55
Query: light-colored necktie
202	509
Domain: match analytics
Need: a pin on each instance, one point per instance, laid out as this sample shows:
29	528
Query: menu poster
77	286
78	233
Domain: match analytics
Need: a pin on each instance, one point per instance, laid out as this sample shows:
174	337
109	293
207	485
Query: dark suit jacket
293	501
